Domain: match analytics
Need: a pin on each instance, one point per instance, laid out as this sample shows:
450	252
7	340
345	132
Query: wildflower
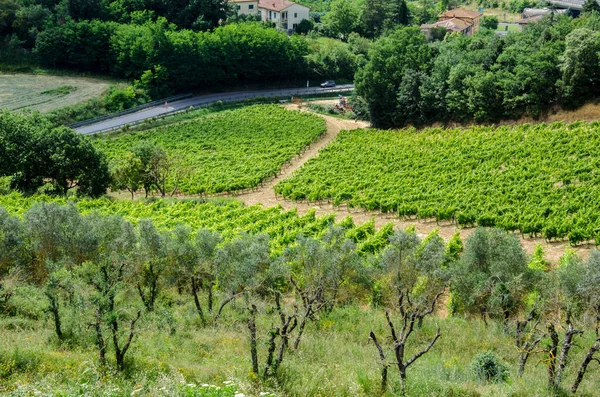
239	395
227	382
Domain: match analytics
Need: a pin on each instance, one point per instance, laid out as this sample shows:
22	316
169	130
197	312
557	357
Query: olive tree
492	276
152	261
242	268
106	277
416	270
318	269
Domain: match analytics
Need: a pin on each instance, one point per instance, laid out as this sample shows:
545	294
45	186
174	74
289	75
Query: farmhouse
285	14
458	20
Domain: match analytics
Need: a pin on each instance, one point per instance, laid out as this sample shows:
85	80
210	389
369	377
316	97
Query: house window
270	14
294	26
251	7
275	15
237	7
295	15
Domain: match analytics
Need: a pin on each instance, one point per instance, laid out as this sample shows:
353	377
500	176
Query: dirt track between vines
265	195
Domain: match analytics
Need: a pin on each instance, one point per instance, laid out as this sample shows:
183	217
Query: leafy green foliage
34	154
227	217
489	22
488	368
535	179
164	59
492	276
484	77
391	57
342	19
591	6
231	151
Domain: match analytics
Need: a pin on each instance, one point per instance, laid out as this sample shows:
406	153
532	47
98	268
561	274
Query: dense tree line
166	46
165	59
484	77
34	155
98	276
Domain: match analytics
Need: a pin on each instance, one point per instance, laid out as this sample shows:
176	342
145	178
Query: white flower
205	385
239	395
227	382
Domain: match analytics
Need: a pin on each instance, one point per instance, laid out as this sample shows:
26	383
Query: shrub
118	99
487	367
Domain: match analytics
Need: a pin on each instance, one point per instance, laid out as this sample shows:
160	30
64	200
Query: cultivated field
46	92
231	151
540	180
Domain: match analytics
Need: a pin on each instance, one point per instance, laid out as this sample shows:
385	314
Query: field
540	180
233	150
46	92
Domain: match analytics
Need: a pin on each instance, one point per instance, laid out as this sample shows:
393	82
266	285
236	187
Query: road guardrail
238	98
129	111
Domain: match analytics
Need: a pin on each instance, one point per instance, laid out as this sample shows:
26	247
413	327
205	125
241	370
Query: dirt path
265	195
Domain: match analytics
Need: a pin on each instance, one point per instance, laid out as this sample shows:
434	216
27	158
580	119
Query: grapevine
541	180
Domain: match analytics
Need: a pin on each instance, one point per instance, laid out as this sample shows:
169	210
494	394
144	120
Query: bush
118	99
18	362
304	26
487	367
489	23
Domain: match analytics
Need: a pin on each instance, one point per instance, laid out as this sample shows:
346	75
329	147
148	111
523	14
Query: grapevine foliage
227	216
541	180
231	151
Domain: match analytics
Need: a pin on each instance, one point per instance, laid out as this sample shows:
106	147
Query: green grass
229	151
540	180
60	91
511	28
46	92
335	358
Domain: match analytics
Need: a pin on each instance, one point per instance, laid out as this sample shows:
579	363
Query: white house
285	14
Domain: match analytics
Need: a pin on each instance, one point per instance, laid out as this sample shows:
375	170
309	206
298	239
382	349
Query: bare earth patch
46	92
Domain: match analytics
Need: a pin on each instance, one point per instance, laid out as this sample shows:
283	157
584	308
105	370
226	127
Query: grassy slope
335	358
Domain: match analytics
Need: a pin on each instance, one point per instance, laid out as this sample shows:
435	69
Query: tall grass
173	353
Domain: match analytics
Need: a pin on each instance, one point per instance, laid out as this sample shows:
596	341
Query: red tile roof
454	25
460	13
274	5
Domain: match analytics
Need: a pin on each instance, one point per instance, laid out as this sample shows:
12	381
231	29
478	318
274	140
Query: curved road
200	101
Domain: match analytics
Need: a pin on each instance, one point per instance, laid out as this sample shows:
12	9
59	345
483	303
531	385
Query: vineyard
227	216
231	151
540	180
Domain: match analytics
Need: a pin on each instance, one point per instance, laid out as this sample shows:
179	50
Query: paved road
198	101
